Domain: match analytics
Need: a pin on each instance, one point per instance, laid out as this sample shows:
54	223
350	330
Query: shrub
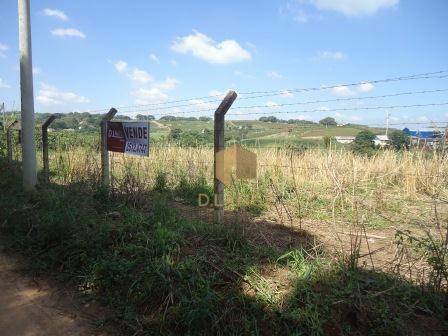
399	140
364	143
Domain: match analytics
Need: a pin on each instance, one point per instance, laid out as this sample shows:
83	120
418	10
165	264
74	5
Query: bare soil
33	307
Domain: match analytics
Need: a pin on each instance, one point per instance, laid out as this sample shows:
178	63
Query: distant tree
399	140
205	119
144	117
269	119
168	118
300	121
328	121
364	143
59	124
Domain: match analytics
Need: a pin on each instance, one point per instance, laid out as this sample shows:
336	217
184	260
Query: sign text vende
128	137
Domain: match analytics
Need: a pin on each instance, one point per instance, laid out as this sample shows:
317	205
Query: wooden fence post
45	160
219	146
105	174
9	130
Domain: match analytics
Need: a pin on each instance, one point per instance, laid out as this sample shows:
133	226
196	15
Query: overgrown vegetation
165	274
296	256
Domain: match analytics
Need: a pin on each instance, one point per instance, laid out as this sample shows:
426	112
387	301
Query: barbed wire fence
187	169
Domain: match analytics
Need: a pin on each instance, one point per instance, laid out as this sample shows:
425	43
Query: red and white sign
128	137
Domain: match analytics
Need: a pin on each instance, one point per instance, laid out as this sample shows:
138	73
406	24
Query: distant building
345	139
381	140
425	138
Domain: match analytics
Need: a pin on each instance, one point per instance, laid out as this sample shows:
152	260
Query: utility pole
29	169
387	122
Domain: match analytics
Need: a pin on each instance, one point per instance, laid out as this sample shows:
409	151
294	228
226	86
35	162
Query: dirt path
160	125
33	308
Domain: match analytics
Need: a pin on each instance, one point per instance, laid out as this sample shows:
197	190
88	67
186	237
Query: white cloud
347	117
205	48
334	55
148	90
3	49
302	17
251	45
365	87
149	96
304	117
287	94
220	94
36	71
354	118
3	85
395	119
216	93
140	76
342	91
274	75
168	84
70	32
173	63
243	75
121	66
423	119
199	103
272	104
51	95
55	13
353	7
154	57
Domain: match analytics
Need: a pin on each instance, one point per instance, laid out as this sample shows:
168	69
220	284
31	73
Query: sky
139	56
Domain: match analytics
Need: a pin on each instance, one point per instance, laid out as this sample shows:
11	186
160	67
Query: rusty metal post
9	130
105	173
45	159
219	146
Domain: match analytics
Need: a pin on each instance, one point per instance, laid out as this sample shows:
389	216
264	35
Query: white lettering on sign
128	137
136	132
137	138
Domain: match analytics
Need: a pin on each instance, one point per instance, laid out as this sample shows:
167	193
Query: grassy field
264	133
322	242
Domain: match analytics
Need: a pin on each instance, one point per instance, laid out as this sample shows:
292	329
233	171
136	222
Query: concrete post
29	166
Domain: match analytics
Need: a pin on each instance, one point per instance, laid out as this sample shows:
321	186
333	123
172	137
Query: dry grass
389	181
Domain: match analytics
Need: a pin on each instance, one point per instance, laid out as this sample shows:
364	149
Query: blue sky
91	55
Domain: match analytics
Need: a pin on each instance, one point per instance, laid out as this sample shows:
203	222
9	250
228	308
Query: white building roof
382	137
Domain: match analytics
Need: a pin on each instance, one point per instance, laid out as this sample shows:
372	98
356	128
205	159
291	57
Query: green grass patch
164	274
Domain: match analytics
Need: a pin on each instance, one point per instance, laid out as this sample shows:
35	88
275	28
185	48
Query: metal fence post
9	139
105	174
45	159
3	111
219	146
